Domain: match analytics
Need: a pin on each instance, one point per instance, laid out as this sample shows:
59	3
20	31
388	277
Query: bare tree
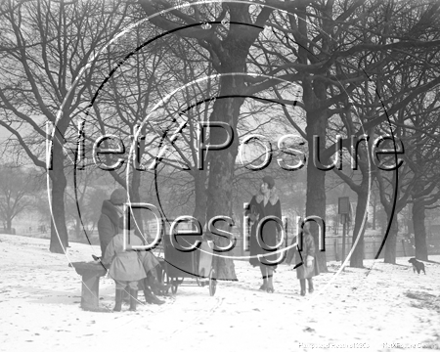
44	47
17	187
423	158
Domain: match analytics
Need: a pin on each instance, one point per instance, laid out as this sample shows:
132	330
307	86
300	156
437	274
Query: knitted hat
269	180
118	197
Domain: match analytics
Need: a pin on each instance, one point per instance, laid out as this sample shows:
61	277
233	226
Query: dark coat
107	224
268	231
308	249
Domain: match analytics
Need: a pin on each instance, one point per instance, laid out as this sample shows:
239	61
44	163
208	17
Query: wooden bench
90	273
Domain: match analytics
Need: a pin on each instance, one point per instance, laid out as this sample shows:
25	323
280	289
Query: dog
419	266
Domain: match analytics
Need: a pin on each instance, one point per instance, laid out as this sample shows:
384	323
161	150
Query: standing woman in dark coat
307	257
265	203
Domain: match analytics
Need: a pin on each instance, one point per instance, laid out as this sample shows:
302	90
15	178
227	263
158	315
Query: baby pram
180	263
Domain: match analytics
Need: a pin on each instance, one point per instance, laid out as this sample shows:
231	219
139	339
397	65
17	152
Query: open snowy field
381	308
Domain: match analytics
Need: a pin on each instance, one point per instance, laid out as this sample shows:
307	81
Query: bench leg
90	292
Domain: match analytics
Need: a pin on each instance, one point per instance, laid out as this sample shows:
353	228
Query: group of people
130	268
265	235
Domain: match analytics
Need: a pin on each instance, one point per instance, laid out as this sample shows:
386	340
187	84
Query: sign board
343	205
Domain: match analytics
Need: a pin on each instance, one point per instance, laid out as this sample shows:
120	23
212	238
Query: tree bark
418	214
357	258
58	235
221	169
200	197
315	194
391	241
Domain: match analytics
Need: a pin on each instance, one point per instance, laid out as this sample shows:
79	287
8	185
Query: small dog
419	266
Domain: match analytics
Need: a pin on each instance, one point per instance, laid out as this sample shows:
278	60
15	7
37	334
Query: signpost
344	211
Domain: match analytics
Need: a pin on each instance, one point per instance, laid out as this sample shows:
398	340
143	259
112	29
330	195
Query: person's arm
105	231
109	254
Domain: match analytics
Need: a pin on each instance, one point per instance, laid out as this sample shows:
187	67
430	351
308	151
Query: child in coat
125	266
307	257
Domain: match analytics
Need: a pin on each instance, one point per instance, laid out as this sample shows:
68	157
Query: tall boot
302	283
118	300
126	295
310	285
133	299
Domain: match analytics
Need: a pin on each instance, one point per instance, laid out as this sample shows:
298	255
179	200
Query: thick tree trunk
362	190
357	258
9	225
418	215
221	169
315	195
58	234
200	197
391	241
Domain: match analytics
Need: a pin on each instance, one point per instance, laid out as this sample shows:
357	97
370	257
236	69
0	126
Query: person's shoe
118	300
151	298
263	287
310	286
133	300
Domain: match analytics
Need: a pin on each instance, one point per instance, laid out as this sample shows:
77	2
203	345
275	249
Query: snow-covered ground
381	308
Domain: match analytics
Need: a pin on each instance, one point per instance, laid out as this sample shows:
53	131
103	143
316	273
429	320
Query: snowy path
40	294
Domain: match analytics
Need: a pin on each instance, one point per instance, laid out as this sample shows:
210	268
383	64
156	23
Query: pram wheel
212	282
166	281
